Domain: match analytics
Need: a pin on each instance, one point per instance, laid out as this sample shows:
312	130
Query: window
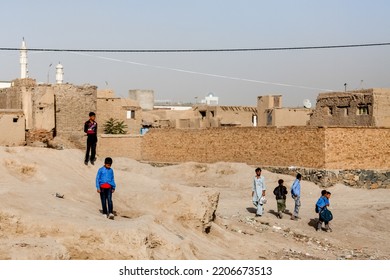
15	120
362	110
269	117
344	110
277	101
203	114
131	114
254	120
330	111
212	113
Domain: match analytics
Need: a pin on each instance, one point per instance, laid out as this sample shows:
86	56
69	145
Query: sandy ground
186	211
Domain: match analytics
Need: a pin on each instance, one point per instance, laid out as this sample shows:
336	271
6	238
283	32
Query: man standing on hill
90	127
258	192
296	195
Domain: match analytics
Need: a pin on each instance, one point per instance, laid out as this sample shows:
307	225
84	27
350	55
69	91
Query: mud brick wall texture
357	148
38	136
349	148
329	148
119	146
73	104
298	146
10	98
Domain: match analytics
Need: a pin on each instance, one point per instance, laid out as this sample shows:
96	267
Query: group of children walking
105	186
280	192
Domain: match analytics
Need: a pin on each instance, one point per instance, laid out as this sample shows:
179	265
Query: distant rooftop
171	103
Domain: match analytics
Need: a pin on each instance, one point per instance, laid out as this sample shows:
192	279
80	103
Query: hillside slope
186	211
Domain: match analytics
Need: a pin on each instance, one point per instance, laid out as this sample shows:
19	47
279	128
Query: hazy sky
236	78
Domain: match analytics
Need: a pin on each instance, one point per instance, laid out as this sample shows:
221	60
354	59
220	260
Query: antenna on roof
307	103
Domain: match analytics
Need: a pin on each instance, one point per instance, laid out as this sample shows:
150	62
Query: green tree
114	126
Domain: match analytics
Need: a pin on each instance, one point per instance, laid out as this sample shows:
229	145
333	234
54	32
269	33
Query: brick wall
300	147
297	146
119	146
381	107
357	148
330	148
73	104
10	98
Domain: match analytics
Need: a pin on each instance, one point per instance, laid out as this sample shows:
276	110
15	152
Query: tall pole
48	73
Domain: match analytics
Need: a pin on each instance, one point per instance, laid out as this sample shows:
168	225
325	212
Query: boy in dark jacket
280	193
90	127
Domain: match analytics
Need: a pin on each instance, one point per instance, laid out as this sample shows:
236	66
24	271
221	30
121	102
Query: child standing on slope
105	186
280	194
90	127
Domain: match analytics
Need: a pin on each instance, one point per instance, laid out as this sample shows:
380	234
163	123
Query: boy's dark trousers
106	198
91	147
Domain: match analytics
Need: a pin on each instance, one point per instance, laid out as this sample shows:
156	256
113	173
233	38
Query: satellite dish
307	103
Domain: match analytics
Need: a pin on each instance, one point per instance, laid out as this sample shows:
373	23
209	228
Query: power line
202	73
197	50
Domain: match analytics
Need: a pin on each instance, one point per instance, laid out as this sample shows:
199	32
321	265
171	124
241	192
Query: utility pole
48	72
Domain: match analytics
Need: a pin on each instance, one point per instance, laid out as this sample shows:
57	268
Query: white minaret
23	61
59	73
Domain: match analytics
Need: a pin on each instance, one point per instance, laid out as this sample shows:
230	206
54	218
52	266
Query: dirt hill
186	211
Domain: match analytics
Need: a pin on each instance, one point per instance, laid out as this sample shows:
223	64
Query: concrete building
368	107
210	99
5	84
271	113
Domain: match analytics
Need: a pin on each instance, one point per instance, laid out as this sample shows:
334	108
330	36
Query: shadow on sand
313	223
251	210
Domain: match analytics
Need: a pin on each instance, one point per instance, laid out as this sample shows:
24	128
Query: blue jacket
322	202
296	188
105	175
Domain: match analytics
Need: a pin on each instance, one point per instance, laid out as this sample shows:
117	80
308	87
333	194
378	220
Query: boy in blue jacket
322	203
296	195
105	186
